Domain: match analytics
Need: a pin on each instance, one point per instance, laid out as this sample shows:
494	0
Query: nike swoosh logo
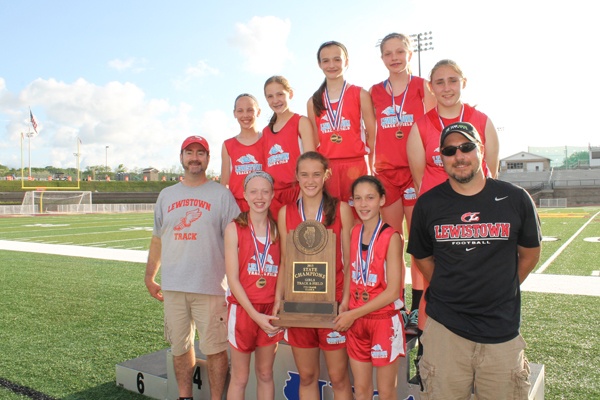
469	249
501	198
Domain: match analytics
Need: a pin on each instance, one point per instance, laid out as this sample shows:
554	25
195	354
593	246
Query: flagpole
29	137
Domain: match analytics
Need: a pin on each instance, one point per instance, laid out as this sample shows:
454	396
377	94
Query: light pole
425	46
106	164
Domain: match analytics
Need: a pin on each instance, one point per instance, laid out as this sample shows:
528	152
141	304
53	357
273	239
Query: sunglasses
464	148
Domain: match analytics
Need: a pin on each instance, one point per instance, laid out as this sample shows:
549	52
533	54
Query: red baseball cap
195	139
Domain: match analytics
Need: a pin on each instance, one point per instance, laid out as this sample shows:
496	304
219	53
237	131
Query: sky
139	77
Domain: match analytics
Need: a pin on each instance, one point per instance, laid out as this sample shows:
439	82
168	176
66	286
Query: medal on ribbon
399	133
364	266
335	117
318	217
261	258
462	113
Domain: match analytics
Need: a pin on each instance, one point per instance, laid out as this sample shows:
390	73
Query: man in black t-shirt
475	239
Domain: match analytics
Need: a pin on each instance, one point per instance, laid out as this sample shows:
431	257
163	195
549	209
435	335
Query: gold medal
365	296
335	138
261	282
399	134
356	296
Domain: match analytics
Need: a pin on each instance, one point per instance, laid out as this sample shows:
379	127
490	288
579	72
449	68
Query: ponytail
317	98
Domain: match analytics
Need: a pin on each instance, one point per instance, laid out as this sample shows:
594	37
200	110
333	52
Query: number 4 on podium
197	378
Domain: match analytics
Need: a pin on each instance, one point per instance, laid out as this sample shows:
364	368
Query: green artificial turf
562	333
101	230
67	321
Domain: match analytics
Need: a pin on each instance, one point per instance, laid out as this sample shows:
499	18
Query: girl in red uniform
399	101
375	332
446	83
316	203
251	261
287	136
337	111
243	153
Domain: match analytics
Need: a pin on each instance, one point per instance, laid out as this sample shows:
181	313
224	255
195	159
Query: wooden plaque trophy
309	298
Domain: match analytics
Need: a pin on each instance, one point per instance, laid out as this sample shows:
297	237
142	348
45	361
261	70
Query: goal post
553	203
39	202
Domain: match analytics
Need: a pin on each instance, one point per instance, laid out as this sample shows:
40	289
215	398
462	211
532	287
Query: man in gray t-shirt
189	222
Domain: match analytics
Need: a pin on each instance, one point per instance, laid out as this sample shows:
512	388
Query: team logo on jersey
470	217
335	338
186	221
277	156
276	149
189	203
378	352
247	159
371	280
270	268
410	194
437	159
326	125
391	121
463	234
249	164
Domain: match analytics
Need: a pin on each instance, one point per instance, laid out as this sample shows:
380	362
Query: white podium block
153	375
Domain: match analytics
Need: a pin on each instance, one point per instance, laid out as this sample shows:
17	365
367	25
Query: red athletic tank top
350	141
293	219
249	273
376	281
244	159
282	149
430	129
390	146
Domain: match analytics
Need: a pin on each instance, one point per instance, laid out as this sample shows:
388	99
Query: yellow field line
563	216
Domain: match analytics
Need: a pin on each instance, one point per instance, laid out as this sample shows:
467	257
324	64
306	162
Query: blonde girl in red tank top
409	98
343	121
287	136
243	153
251	289
446	83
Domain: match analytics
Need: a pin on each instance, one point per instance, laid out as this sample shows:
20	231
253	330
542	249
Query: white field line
138	256
19	222
111	241
564	246
72	234
133	248
50	229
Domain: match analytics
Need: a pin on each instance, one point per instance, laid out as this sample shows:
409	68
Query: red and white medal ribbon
398	114
335	117
261	258
318	217
363	267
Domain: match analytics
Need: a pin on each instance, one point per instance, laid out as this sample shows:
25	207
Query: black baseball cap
464	128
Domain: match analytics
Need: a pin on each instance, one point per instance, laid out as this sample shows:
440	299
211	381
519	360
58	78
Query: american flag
33	122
